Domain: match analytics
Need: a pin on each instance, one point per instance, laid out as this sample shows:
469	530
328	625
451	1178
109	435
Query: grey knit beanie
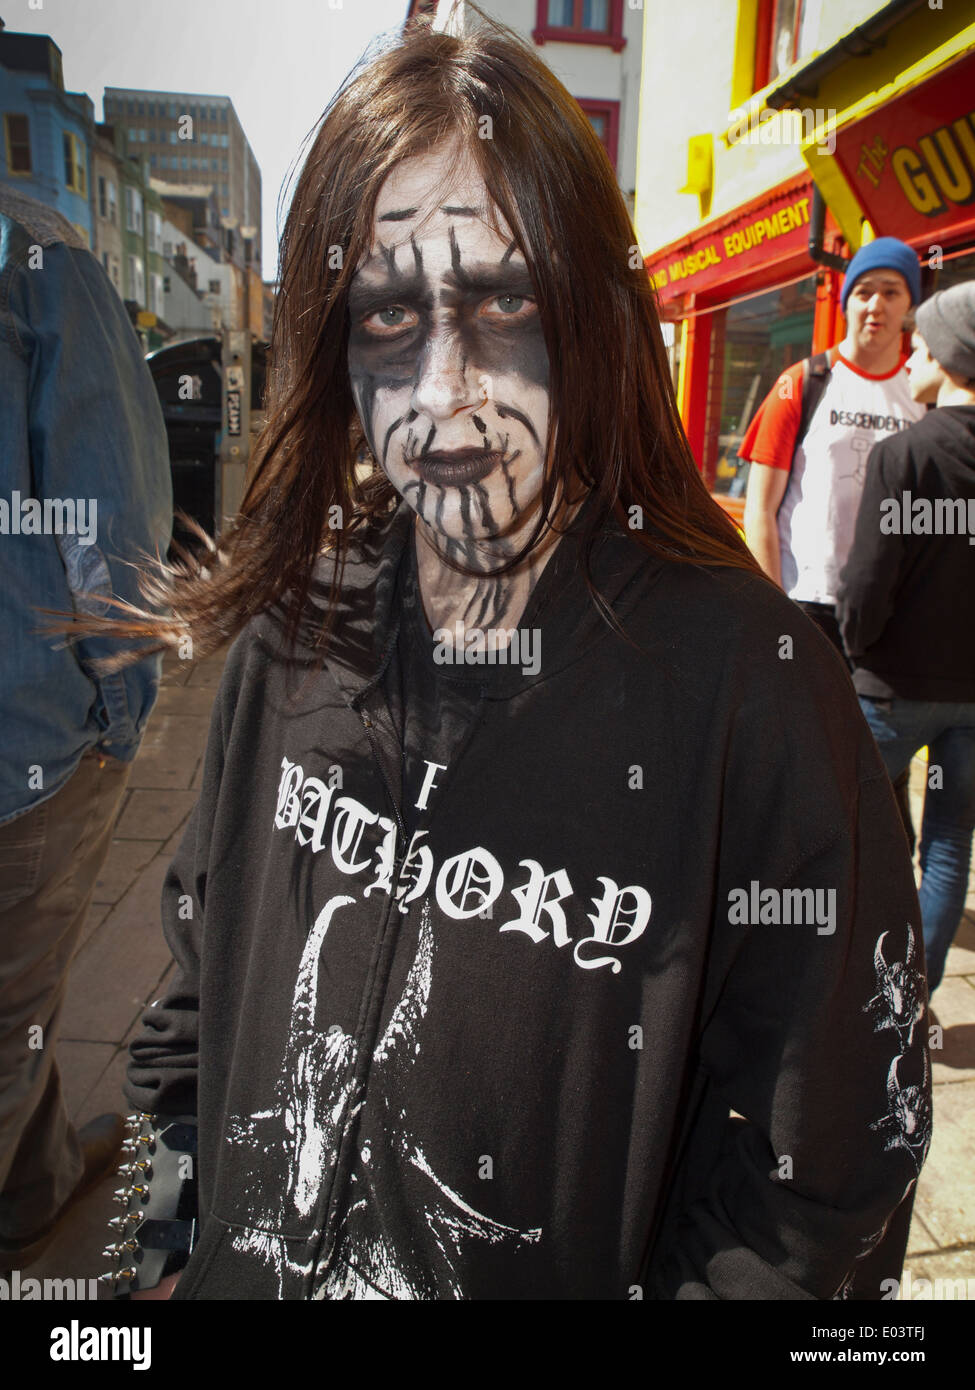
946	322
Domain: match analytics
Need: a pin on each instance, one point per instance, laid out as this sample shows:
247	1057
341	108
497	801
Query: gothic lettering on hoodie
466	885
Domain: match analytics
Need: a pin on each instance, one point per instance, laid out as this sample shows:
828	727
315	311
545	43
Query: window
204	138
137	280
133	210
604	116
112	203
580	21
16	130
152	161
782	35
156	294
102	201
154	229
213	113
152	137
224	166
194	162
143	136
214	287
184	162
105	260
141	109
74	164
133	135
173	137
152	109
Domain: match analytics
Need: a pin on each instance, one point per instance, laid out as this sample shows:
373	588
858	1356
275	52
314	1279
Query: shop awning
764	234
904	157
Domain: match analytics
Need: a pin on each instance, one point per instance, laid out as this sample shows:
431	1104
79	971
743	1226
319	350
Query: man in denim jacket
84	486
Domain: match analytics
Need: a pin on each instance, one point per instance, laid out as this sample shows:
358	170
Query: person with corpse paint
545	927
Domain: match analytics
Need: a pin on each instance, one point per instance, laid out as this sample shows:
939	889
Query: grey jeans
50	858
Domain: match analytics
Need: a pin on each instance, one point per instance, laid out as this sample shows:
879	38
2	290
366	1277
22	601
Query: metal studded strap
157	1231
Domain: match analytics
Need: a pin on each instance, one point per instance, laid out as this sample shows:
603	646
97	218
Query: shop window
16	133
604	116
580	21
75	176
761	337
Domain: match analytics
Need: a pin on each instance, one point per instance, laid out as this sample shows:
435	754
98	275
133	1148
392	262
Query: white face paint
448	363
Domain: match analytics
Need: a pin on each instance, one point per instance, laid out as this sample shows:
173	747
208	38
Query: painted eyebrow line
401	214
480	277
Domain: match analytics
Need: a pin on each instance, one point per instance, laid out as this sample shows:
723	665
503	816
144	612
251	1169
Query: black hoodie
505	1064
907	595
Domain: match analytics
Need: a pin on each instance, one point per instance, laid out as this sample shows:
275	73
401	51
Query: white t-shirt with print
818	514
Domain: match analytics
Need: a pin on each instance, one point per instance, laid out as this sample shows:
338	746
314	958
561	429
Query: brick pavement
123	962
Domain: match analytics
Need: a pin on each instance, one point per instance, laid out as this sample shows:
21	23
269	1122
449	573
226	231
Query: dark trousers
824	616
50	858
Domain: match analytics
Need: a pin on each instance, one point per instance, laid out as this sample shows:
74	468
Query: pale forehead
419	206
881	280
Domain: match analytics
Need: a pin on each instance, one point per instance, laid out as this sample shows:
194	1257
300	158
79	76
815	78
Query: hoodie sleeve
870	578
164	1058
814	1040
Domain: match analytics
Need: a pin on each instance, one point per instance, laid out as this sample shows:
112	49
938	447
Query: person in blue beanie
808	443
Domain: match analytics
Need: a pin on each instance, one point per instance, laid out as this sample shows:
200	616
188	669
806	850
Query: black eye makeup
391	319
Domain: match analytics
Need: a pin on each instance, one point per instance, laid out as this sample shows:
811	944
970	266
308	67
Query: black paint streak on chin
487	518
479	425
509	479
465	511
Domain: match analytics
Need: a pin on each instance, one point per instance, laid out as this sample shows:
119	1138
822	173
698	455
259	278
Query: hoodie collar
560	608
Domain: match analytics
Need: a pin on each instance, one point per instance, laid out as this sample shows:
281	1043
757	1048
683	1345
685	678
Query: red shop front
747	300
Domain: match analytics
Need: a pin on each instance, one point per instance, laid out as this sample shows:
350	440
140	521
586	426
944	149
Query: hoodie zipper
370	729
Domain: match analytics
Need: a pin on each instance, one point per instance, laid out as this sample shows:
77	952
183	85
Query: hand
164	1289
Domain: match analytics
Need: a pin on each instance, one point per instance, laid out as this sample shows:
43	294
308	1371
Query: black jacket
507	1068
907	598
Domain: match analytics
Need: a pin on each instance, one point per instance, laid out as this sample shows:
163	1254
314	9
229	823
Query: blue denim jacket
81	430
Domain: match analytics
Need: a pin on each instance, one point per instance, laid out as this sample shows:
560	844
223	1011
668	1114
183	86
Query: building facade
47	132
195	139
106	180
815	125
593	47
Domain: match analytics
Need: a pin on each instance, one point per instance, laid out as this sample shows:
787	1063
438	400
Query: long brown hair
619	432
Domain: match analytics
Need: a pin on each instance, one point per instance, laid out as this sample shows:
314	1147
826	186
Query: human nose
445	384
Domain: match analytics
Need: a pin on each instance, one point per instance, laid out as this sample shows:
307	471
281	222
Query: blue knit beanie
885	253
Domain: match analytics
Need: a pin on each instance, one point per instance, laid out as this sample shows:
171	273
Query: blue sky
279	61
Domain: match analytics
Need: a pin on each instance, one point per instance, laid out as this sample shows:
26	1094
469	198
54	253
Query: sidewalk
123	963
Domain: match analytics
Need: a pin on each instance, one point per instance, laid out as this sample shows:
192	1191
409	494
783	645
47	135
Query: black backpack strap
815	374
